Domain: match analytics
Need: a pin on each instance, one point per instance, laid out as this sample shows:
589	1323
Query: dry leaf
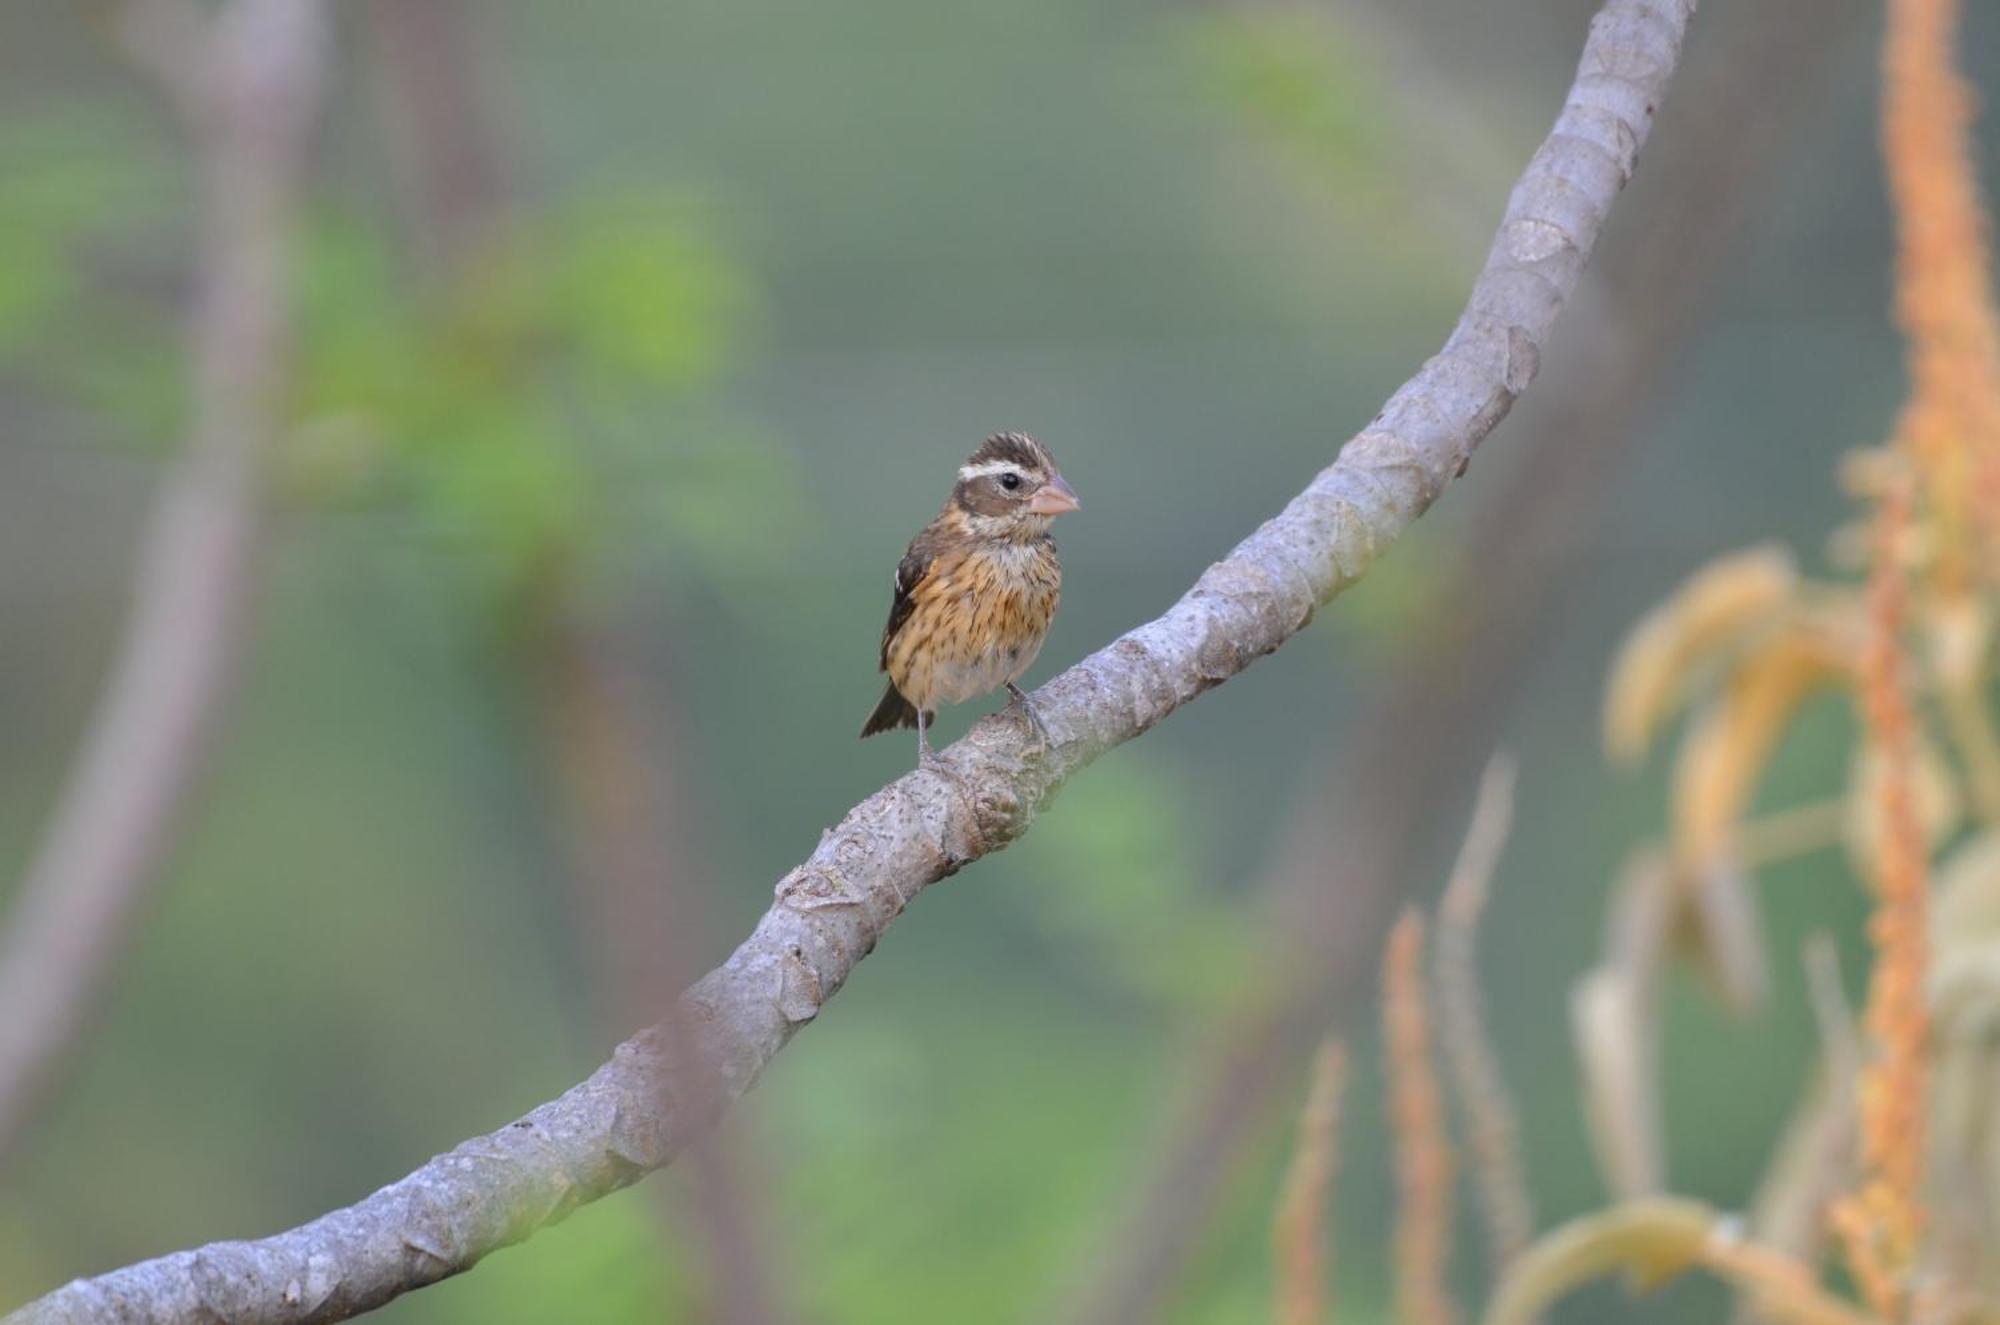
1612	1022
1718	929
1959	630
1724	753
1653	1241
1727	600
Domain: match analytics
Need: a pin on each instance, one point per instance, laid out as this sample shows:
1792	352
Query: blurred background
633	342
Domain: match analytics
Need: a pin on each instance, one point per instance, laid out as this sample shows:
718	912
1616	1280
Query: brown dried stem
1492	1128
1882	1222
1425	1172
1814	1159
1299	1237
1944	288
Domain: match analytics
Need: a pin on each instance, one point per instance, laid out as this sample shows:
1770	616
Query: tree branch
246	82
636	1112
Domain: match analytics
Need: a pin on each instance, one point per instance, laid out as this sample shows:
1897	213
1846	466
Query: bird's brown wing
910	572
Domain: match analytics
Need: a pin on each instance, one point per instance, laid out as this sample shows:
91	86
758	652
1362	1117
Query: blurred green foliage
1122	884
552	393
1296	77
74	184
602	1266
86	214
1315	85
549	400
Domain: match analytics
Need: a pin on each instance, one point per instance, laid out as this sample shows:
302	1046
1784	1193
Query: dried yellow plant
1779	1288
1965	930
1759	640
1881	1223
1425	1171
1745	642
1933	790
1729	743
1301	1247
1612	1023
1813	1162
1949	434
1652	1241
1708	617
1741	646
1485	1103
1964	997
1958	633
1950	428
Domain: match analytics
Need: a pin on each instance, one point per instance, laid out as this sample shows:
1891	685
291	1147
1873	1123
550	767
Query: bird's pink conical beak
1055	498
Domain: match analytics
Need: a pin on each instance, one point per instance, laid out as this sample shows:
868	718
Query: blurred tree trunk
245	82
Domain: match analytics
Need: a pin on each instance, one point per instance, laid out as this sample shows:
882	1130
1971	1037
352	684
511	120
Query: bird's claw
1019	702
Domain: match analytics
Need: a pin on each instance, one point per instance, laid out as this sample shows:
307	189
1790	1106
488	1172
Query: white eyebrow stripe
990	467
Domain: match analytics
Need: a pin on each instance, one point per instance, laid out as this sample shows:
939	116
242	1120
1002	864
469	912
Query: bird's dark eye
1010	481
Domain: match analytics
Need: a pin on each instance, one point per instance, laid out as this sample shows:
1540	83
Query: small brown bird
977	589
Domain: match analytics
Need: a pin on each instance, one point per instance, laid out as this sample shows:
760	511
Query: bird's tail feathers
894	711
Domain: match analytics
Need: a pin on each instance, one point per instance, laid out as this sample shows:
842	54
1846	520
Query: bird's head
1010	488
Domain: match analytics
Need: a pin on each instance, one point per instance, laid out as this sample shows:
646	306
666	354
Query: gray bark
636	1112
